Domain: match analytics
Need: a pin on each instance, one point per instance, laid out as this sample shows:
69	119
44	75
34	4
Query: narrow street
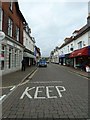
50	92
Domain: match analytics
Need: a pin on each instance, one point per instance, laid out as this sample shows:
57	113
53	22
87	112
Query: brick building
11	23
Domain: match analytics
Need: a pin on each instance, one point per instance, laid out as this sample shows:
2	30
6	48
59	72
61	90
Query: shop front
68	61
62	59
10	56
81	58
29	59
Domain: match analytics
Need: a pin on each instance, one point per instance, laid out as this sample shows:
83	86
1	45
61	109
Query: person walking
23	65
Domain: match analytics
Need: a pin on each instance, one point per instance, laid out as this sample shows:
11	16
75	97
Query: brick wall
16	18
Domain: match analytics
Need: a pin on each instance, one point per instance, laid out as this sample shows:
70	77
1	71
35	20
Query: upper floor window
17	33
10	27
68	48
1	18
11	6
71	47
79	44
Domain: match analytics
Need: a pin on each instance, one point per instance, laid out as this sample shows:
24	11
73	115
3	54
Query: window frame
80	45
17	33
11	6
10	27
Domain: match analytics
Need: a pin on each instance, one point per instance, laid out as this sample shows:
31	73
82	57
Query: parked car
42	63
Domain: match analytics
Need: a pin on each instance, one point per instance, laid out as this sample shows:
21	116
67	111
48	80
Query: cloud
52	22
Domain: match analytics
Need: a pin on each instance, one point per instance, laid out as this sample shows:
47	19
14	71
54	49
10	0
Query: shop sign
2	35
1	57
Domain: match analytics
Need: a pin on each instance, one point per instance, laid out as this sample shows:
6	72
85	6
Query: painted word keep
39	89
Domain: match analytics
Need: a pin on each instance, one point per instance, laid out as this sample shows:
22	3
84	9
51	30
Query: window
2	57
11	6
15	58
10	57
1	14
80	45
17	33
68	48
10	27
71	47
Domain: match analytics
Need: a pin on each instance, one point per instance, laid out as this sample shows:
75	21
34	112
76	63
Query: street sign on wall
2	35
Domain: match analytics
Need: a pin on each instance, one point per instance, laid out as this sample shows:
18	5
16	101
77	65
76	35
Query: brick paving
73	104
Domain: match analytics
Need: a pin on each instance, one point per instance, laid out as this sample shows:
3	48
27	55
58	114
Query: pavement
17	77
79	72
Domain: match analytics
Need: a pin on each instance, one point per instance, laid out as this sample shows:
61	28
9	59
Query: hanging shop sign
2	35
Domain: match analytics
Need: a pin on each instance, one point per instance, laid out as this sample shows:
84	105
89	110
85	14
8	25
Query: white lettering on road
26	92
37	91
48	91
59	89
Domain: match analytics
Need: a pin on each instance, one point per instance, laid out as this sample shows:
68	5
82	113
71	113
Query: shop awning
26	54
81	52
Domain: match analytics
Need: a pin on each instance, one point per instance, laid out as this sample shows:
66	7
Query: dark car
42	63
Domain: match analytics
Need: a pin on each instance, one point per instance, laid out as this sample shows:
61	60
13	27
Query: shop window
2	57
9	58
15	58
10	27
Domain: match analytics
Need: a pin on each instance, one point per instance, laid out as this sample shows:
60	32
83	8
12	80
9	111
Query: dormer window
11	6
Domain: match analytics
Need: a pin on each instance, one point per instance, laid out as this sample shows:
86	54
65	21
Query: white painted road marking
63	89
26	92
46	82
59	89
48	91
12	88
2	97
37	91
33	74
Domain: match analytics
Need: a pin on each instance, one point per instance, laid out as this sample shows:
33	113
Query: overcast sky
51	22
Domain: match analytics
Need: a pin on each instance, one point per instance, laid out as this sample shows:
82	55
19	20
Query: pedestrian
23	65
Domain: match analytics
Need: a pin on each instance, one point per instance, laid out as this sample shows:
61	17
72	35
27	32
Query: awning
81	52
26	54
